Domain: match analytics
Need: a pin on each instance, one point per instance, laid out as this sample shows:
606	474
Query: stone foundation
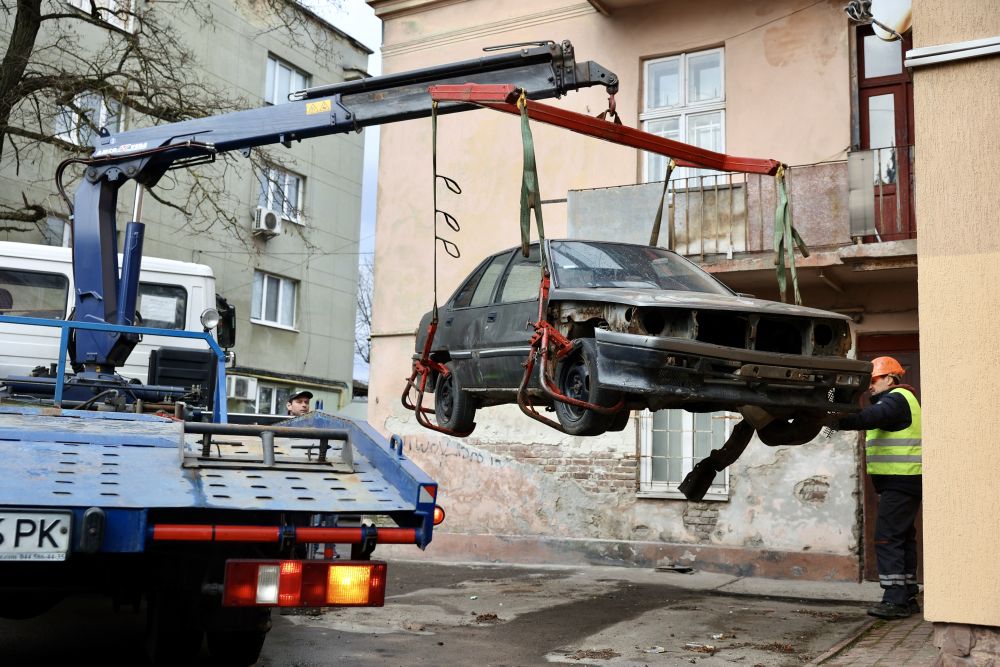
967	645
533	550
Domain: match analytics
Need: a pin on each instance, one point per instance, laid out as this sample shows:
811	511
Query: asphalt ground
493	615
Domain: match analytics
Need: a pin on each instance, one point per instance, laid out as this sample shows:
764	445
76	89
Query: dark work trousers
896	545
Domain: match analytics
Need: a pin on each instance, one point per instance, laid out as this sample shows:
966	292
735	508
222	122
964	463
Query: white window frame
281	296
70	123
650	488
683	111
272	94
276	407
290	211
113	20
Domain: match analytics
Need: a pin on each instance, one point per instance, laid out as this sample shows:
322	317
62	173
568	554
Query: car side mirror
225	331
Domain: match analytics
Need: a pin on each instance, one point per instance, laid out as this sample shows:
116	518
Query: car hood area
667	298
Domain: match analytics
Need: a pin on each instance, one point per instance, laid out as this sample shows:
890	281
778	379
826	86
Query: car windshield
592	264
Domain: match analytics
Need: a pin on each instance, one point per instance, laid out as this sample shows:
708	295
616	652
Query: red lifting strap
424	367
503	97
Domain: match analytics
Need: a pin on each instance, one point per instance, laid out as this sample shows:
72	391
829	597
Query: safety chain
425	367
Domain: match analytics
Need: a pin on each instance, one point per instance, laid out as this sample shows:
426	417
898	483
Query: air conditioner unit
266	222
238	386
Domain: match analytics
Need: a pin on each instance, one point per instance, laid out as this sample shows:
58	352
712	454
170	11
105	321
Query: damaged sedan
640	327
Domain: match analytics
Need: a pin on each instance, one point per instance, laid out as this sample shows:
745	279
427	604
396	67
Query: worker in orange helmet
892	453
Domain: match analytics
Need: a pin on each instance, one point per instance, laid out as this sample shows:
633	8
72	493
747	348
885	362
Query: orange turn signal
438	515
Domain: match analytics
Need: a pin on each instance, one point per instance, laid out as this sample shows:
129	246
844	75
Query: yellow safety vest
896	452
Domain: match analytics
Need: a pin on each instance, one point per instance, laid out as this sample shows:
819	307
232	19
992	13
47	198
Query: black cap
300	394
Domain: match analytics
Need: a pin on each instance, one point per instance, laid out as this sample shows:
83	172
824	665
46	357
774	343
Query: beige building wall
955	107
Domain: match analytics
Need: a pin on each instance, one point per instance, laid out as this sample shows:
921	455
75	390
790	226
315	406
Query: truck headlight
210	318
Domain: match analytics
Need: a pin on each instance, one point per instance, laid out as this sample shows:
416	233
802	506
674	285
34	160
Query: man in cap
892	454
298	403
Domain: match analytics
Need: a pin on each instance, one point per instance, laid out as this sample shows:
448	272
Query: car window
162	306
592	264
521	281
33	294
477	290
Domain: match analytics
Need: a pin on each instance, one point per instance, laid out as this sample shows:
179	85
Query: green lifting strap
786	237
531	198
654	237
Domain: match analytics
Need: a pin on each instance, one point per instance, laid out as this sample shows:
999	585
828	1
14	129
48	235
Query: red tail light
438	515
304	583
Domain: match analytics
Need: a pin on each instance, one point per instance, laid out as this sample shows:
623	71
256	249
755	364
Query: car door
507	334
463	320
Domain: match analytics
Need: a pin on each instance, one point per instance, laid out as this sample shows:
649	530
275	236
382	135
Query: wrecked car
649	329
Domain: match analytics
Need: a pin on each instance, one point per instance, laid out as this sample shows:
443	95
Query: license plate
29	535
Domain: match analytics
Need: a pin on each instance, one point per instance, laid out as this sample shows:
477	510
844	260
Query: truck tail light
438	515
304	583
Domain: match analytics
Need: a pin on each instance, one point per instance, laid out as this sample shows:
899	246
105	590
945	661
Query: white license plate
28	535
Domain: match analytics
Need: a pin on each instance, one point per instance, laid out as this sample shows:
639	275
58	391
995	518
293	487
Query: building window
281	191
282	79
116	13
79	121
273	300
57	231
685	100
271	399
671	442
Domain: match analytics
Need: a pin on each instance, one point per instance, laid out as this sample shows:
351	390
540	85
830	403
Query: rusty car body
650	329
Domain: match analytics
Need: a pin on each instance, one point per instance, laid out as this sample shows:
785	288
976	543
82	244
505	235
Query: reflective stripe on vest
896	452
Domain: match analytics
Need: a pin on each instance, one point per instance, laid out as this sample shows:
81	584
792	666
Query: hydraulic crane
144	155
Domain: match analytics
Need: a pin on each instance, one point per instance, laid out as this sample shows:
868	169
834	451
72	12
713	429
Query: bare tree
130	56
363	323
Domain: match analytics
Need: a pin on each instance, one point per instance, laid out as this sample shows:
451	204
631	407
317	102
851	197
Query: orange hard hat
886	366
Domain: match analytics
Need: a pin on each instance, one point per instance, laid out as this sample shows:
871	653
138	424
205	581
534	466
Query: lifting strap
545	333
786	237
654	237
531	197
425	367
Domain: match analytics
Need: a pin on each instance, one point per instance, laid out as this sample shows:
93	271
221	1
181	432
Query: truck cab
37	281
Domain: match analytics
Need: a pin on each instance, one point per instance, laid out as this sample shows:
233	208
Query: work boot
890	610
913	605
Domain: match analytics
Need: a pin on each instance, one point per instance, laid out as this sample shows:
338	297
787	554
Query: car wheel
453	407
576	377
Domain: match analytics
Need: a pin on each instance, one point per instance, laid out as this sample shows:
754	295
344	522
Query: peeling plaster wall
509	479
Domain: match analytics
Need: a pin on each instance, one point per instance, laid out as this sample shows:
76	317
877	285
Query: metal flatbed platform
72	459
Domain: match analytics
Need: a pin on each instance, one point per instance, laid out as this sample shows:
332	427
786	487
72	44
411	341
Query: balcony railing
718	216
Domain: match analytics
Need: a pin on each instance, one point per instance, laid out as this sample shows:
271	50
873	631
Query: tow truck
146	491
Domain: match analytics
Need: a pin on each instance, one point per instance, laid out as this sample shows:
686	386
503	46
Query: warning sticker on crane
320	106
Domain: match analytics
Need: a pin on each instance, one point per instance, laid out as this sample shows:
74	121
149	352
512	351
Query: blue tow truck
146	492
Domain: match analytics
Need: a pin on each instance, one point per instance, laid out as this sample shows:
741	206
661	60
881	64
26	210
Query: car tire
454	408
576	377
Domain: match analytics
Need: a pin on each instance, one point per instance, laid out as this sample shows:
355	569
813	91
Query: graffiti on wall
445	449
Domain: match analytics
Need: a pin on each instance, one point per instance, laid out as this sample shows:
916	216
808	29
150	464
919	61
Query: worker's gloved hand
698	481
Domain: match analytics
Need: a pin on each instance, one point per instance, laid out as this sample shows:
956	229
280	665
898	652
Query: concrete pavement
452	614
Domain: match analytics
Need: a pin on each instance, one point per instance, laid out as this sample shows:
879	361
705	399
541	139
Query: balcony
854	215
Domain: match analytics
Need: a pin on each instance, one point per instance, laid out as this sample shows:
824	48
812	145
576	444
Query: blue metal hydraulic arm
543	70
